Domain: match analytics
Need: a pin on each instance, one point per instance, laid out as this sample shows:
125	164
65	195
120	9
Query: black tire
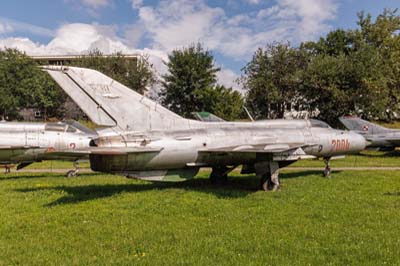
215	178
71	173
327	172
266	183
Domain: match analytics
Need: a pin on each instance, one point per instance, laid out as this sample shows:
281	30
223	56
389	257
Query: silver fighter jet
378	137
147	141
24	143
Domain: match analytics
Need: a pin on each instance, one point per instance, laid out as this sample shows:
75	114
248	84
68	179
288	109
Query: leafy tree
272	79
23	84
384	35
338	85
221	101
356	70
191	72
348	71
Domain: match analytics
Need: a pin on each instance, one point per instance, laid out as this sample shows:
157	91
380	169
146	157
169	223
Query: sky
232	30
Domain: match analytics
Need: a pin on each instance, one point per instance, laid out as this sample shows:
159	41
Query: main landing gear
7	169
268	172
327	170
219	174
74	172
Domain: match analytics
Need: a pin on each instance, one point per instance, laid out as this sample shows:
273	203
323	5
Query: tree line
354	71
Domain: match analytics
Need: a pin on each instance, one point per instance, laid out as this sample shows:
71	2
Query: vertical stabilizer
359	125
109	103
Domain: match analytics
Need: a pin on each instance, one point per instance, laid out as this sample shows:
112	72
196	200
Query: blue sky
231	29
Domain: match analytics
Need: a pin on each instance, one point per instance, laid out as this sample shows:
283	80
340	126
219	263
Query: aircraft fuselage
184	149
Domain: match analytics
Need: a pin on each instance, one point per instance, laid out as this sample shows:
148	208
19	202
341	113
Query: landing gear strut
75	171
268	172
7	169
219	174
327	170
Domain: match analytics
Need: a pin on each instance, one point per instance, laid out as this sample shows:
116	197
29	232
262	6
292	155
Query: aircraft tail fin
109	103
359	125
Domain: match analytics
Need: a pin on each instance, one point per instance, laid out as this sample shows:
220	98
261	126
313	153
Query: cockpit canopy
70	127
318	123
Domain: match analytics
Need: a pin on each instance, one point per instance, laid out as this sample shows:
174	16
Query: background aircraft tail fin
359	125
109	103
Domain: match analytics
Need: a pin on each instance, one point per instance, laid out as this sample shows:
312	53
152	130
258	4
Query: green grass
364	159
95	219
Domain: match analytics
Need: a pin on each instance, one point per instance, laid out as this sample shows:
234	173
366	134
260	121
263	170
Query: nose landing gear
75	171
7	169
327	170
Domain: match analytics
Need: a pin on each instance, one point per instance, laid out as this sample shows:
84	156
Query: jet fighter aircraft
24	143
147	141
379	138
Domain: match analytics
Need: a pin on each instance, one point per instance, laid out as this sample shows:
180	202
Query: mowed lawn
352	218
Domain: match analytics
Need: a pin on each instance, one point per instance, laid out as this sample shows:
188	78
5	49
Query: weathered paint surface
180	145
29	142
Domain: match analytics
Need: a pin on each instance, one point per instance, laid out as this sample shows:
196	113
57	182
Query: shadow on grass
293	173
236	187
27	175
392	194
380	154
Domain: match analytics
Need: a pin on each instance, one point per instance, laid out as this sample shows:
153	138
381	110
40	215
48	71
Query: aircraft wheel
215	178
327	172
71	173
266	183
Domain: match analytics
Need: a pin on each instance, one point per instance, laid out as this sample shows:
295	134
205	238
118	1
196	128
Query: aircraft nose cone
359	142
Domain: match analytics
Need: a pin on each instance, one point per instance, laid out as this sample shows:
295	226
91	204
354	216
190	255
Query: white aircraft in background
24	143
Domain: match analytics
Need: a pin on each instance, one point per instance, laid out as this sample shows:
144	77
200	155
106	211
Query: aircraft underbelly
20	155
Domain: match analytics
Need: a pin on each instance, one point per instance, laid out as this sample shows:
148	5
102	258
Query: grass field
364	159
351	219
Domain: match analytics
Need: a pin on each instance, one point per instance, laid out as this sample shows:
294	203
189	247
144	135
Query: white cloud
5	28
9	25
253	2
137	3
171	24
310	16
175	23
228	78
78	38
96	3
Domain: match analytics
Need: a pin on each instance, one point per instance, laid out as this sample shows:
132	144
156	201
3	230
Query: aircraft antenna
248	114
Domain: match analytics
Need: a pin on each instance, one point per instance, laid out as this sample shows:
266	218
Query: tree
191	71
225	103
384	35
356	71
272	79
24	85
339	85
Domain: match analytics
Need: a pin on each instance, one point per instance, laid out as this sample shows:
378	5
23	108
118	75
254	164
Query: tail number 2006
340	144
